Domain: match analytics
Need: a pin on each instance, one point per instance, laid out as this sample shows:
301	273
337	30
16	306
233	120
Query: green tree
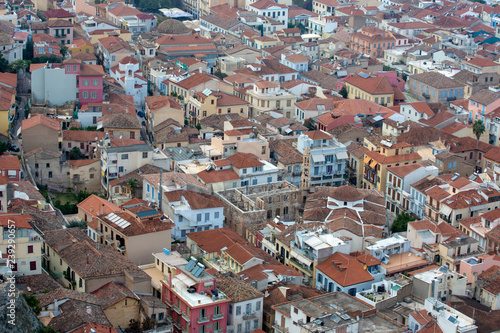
51	59
78	224
28	51
309	124
132	184
4	64
19	64
343	92
33	303
64	49
4	146
478	128
76	154
400	224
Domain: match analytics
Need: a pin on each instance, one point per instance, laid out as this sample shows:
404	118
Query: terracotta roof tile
344	270
212	241
95	205
40	120
195	200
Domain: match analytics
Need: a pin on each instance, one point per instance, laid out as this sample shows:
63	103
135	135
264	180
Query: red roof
17	220
40	120
344	269
96	206
482	62
8	161
57	13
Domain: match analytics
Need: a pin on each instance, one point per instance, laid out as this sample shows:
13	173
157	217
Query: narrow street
23	91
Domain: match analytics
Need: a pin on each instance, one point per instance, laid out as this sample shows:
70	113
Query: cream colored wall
120	314
139	248
85	172
356	92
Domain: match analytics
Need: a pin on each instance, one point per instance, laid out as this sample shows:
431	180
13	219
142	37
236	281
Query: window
93	95
12	173
50	174
74	68
198	218
257	306
202	329
238	310
248	308
85	95
85	82
145	154
216	215
30	248
255	324
32	265
238	330
181	218
68	68
124	156
207	216
95	82
47	165
120	169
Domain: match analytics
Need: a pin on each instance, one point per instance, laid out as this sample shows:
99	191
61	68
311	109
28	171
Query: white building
269	8
322	24
129	74
449	319
386	247
439	283
327	159
296	61
246	307
191	207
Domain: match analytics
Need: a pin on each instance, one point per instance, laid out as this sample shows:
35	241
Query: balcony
300	266
177	325
185	316
203	320
177	309
247	316
426	96
77	181
168	302
121	248
217	316
279	329
35	238
451	98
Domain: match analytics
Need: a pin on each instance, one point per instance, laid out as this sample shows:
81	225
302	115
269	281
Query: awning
318	158
367	159
342	155
288	130
373	164
445	210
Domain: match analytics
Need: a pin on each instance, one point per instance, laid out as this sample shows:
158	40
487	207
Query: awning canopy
342	155
445	210
373	164
318	158
367	159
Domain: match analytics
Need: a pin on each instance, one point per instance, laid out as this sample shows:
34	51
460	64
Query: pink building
194	302
394	80
482	103
59	83
472	267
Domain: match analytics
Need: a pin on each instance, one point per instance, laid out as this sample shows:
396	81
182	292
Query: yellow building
201	106
8	84
382	155
98	34
267	95
376	89
262	42
27	252
199	82
80	45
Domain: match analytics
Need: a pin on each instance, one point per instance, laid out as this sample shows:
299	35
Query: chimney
200	70
102	206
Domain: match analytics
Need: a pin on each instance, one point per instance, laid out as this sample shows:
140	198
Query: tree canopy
400	224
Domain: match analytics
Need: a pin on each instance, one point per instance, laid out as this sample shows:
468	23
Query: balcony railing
279	329
177	309
185	316
177	325
247	316
217	316
202	320
451	98
425	95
